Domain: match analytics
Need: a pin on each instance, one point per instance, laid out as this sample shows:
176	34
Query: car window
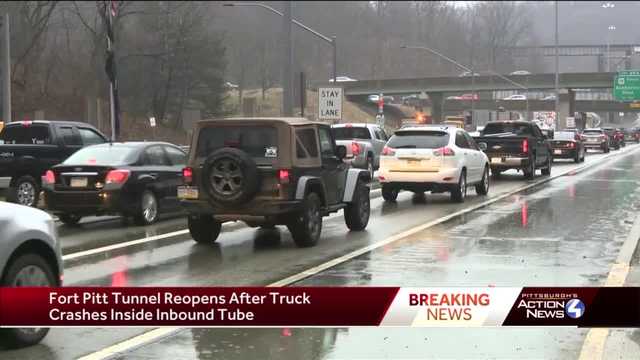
69	136
90	137
176	156
348	133
259	142
461	141
155	156
306	141
419	139
326	142
472	143
26	135
500	128
103	155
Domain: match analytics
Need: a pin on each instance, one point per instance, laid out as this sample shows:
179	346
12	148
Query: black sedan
134	179
568	145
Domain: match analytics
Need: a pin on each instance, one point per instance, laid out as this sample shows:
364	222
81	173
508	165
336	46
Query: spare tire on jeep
230	177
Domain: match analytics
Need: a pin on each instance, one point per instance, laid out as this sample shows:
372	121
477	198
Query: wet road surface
564	232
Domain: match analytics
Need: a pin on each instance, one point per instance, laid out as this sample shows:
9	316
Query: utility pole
287	64
557	68
6	72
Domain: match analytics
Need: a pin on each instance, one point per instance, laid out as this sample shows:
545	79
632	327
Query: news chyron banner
320	306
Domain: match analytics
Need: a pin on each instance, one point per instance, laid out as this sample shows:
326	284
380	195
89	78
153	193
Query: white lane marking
595	342
159	333
126	244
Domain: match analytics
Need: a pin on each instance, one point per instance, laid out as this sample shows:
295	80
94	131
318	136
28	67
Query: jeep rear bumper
252	209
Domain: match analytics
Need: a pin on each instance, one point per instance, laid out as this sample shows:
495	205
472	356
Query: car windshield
564	135
259	142
418	139
501	128
348	133
103	155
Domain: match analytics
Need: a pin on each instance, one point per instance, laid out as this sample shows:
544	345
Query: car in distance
468	73
343	79
615	140
29	148
567	145
364	143
596	138
433	158
631	135
136	179
267	172
29	256
516	97
469	97
519	145
520	72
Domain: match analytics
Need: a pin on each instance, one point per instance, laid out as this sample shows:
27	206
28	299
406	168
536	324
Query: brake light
444	151
284	176
117	176
572	145
355	148
26	123
187	175
525	146
387	151
348	125
49	177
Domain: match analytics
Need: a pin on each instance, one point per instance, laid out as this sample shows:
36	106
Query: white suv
433	158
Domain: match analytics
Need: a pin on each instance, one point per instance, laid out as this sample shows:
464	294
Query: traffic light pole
6	73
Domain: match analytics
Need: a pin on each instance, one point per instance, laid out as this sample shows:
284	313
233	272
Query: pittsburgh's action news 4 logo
574	308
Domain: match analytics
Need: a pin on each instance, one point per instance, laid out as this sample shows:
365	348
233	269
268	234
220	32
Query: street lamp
473	74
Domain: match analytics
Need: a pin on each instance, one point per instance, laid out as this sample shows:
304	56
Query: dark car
631	135
267	172
29	148
137	179
517	145
615	140
568	145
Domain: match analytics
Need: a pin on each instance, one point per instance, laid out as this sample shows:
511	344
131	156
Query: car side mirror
483	146
341	152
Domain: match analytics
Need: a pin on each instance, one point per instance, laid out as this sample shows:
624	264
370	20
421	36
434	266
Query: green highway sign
626	85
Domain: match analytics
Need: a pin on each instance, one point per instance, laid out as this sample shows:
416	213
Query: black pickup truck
517	145
29	148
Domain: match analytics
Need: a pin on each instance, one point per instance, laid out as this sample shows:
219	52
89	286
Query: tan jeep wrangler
267	172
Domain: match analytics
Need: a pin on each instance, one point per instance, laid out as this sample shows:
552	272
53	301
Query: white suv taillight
444	151
387	151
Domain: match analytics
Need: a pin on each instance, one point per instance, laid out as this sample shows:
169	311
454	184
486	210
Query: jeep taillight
525	146
284	176
187	175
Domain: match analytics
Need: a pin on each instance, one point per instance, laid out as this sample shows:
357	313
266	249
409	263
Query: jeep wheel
230	176
482	188
356	214
459	193
26	270
305	228
204	229
25	191
389	193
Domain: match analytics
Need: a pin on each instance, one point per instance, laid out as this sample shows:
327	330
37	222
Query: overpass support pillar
567	107
437	102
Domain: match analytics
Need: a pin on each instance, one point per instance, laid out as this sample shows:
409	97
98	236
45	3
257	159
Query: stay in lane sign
626	85
330	103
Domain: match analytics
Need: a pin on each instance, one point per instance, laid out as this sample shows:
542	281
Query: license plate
79	182
413	162
557	152
496	160
187	192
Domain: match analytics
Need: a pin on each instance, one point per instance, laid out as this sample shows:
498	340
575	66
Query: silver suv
29	256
